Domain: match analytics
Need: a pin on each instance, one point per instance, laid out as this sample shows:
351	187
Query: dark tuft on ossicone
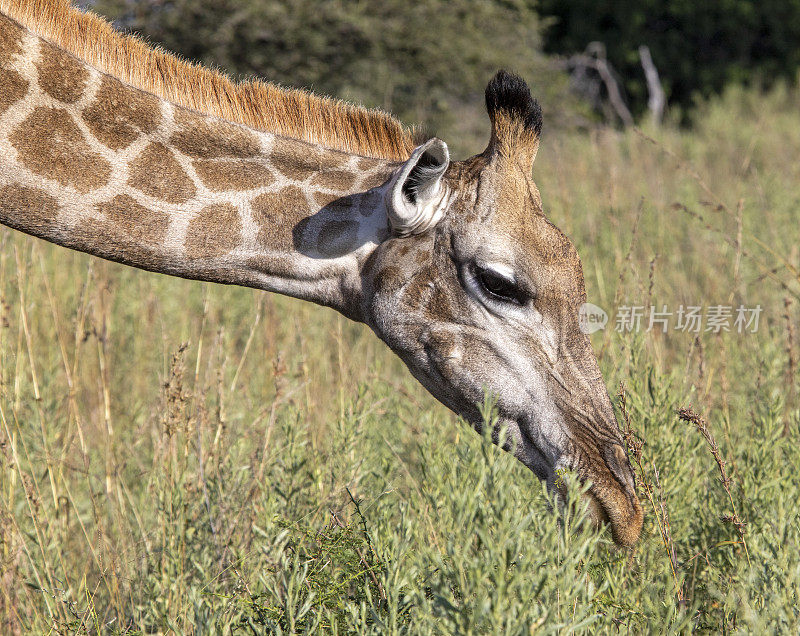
509	93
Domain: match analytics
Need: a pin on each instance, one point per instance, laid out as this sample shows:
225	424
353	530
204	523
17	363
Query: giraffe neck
93	164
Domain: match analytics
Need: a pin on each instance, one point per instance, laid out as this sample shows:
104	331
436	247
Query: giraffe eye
499	287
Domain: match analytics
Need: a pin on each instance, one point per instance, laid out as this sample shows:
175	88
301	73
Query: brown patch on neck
158	174
50	144
298	161
60	75
286	112
107	239
204	138
10	40
277	214
15	87
41	210
138	222
222	175
215	231
339	180
337	238
119	115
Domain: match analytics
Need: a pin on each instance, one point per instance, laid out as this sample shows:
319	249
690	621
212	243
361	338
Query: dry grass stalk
791	354
687	415
651	280
701	367
10	550
175	394
664	515
635	444
737	264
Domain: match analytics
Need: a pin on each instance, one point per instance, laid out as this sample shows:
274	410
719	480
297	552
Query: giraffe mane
293	113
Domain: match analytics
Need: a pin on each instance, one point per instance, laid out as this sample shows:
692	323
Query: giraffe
113	148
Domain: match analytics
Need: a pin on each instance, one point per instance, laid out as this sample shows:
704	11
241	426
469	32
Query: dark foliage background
698	47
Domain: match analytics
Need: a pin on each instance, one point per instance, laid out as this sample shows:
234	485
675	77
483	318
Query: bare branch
656	100
595	59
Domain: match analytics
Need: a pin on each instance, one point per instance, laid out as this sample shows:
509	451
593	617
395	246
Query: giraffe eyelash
496	287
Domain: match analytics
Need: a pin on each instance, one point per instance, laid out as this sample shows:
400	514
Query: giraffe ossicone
143	159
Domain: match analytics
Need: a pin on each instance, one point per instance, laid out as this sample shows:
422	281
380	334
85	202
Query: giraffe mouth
611	498
623	513
612	502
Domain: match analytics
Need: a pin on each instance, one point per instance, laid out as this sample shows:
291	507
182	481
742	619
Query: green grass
178	457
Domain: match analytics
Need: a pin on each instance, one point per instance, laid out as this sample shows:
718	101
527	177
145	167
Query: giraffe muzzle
613	499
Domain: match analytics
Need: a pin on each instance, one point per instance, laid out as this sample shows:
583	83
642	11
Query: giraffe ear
416	196
516	118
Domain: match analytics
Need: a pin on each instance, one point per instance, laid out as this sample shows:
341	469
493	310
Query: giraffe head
477	291
452	264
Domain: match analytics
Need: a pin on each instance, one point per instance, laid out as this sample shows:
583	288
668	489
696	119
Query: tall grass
186	458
